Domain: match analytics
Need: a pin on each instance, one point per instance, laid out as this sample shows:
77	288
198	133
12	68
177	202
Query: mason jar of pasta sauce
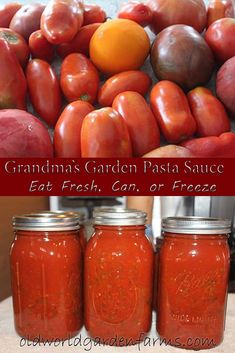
81	218
118	278
193	280
46	274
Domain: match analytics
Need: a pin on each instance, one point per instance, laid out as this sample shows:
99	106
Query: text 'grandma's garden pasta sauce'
193	279
118	278
46	271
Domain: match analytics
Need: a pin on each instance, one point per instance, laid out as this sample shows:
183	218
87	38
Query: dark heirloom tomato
209	112
17	43
67	134
181	55
12	80
44	90
136	11
171	108
93	14
79	78
105	134
225	85
140	120
222	146
137	81
7	11
61	20
170	12
220	37
219	9
39	46
27	19
118	278
80	43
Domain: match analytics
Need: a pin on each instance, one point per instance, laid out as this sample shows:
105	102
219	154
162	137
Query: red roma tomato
170	12
136	11
140	120
44	90
79	78
7	11
17	43
222	146
61	20
104	134
172	111
27	19
169	151
220	37
67	133
209	112
137	81
219	9
93	14
39	46
80	43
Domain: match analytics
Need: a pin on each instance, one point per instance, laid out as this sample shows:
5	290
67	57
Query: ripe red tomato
225	85
219	9
104	134
220	37
135	80
171	108
79	78
93	14
17	43
136	11
170	151
61	20
67	133
44	90
209	112
140	120
80	43
7	11
170	12
39	46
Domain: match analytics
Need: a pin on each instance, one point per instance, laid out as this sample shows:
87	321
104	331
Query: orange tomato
119	45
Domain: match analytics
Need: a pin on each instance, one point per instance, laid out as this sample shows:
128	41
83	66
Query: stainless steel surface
196	225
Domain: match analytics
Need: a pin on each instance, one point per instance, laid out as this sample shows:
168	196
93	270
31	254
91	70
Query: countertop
10	342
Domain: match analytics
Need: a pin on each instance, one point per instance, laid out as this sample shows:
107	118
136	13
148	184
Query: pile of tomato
84	75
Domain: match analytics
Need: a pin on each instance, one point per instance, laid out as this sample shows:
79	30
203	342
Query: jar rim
196	225
42	222
119	216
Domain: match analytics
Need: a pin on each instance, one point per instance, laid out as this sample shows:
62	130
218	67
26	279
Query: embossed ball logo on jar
115	295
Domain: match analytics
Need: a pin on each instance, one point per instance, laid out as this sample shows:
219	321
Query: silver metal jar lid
118	217
196	225
41	222
77	214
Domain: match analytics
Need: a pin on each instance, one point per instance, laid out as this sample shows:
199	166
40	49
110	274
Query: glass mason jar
118	278
193	280
46	274
81	218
